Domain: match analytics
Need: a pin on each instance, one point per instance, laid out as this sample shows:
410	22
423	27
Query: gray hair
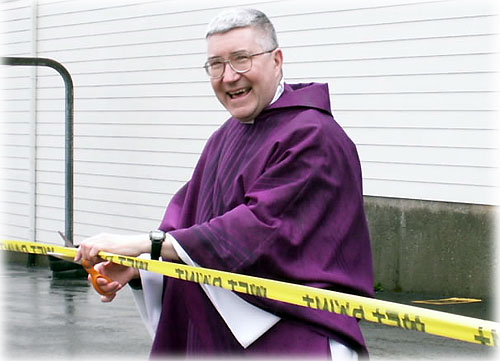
240	18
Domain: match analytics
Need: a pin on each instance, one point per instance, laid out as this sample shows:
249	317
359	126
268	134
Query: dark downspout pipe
68	83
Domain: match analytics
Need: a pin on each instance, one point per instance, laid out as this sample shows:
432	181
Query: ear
278	59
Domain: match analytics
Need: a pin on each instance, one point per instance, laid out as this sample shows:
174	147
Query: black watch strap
157	238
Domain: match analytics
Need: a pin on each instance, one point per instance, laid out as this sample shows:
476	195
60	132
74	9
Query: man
277	193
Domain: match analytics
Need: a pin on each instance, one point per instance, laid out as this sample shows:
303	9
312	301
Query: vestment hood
307	95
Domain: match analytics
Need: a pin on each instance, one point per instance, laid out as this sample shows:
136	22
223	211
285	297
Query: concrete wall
433	247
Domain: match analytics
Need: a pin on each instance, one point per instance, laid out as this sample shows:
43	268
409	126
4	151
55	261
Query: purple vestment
282	199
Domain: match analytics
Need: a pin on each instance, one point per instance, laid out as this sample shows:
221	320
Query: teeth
238	92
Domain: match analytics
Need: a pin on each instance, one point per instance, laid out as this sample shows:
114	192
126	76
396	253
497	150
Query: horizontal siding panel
137	28
15	37
117	169
49	236
22	105
17	197
15	185
131	222
431	174
484	139
417	119
13	94
125	196
16	25
138	117
389	49
9	127
430	191
53	182
82	231
13	79
437	156
463	101
112	197
137	131
356	26
15	11
15	157
17	49
436	82
389	32
121	76
168	145
94	87
197	46
179	11
124	157
137	170
49	225
16	220
117	77
151	104
15	163
15	208
15	232
392	66
151	37
458	81
119	209
11	173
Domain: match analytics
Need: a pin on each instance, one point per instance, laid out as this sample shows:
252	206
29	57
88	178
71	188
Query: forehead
234	40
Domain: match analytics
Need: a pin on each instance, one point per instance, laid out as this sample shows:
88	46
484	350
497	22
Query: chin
243	119
242	116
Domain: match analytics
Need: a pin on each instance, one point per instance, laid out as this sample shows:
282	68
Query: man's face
245	95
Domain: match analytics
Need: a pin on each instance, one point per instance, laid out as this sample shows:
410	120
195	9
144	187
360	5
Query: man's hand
120	275
125	245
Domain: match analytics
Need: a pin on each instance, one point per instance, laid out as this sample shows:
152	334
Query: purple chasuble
282	199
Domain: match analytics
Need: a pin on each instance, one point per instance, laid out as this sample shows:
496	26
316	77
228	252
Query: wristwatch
157	237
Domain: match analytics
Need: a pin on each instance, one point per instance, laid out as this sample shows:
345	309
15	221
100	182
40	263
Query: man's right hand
121	275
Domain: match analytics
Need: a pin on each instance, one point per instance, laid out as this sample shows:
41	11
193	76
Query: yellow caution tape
383	312
448	301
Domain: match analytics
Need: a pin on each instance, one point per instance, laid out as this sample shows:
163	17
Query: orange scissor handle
94	276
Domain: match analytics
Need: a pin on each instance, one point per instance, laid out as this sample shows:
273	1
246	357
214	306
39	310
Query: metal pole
68	84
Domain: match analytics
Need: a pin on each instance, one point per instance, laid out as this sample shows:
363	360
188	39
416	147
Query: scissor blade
67	242
63	256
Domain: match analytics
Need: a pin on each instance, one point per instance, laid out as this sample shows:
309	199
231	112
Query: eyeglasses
239	62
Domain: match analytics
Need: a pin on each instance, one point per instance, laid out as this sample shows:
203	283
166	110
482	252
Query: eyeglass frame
228	61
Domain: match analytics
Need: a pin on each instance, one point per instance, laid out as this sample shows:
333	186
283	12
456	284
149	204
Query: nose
230	75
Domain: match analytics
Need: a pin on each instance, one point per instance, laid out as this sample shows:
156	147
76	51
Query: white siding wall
412	82
16	140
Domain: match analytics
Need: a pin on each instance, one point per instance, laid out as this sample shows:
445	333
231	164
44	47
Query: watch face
157	235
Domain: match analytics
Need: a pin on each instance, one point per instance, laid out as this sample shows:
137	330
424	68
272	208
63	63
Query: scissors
94	274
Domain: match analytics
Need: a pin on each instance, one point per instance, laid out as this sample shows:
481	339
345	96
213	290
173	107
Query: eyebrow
233	53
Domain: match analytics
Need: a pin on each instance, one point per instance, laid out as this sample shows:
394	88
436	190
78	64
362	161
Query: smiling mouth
239	93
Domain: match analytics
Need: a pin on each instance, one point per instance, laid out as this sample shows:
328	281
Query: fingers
110	288
90	248
109	298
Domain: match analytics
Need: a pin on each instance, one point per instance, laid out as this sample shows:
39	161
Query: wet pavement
44	317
